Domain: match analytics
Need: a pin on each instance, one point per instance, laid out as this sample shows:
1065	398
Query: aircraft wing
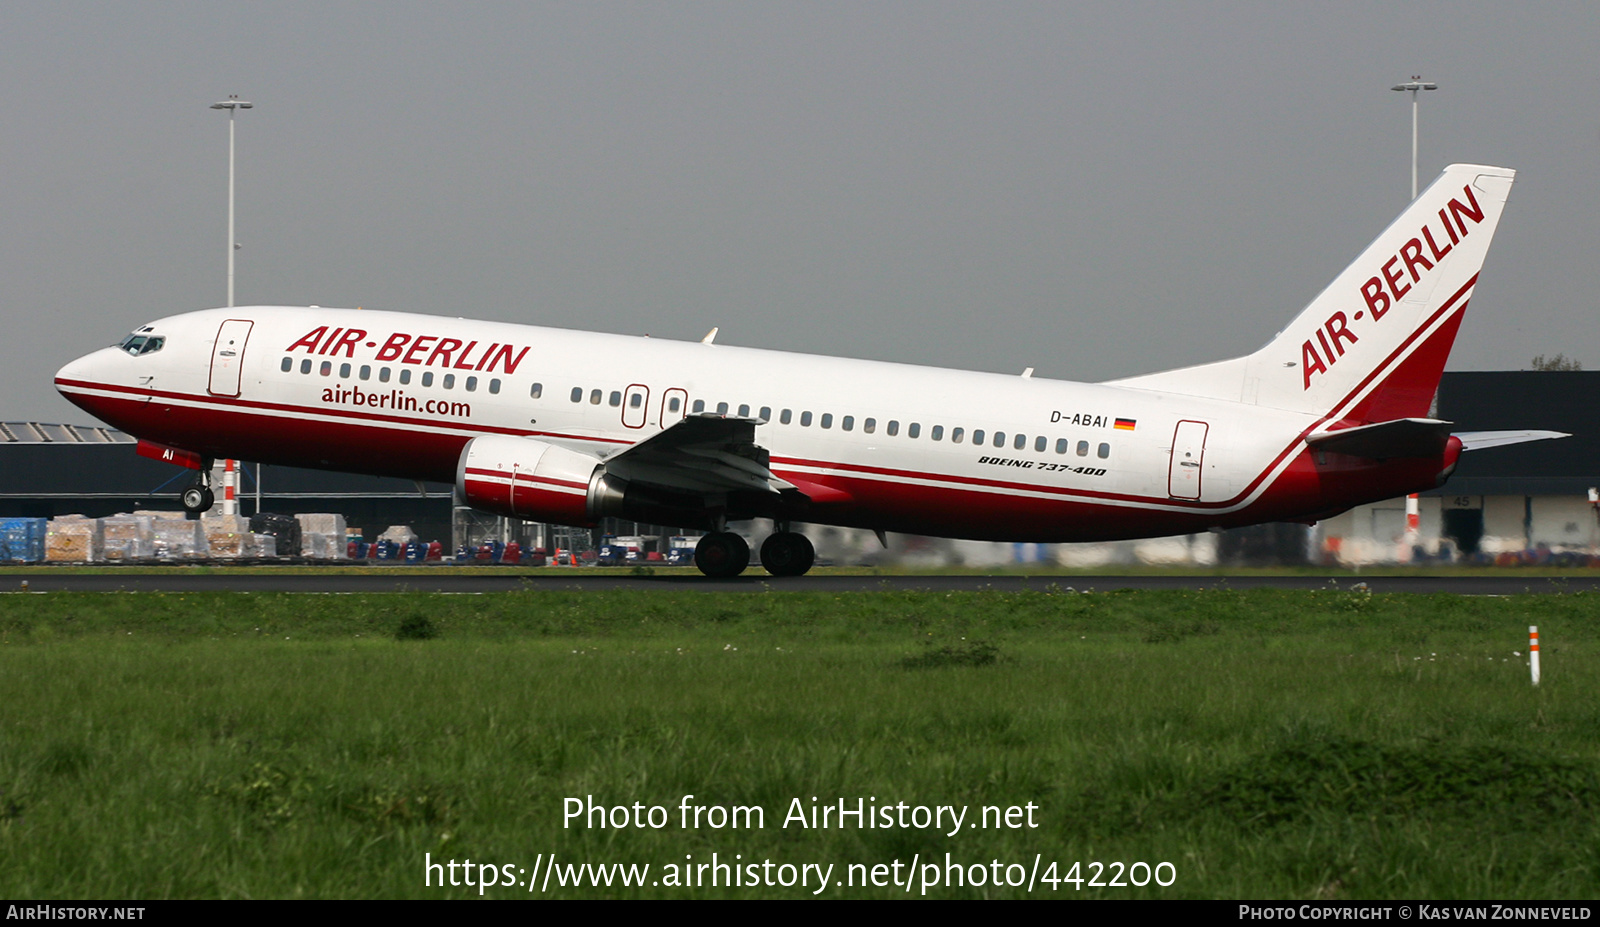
701	453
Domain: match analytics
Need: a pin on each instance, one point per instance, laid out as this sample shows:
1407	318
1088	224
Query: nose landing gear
199	497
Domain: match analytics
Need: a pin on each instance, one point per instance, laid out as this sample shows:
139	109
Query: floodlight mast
232	104
1415	84
1413	504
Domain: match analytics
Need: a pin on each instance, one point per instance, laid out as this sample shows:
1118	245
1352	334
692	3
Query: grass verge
1329	744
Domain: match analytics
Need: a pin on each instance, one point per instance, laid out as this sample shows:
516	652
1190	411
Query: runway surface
492	580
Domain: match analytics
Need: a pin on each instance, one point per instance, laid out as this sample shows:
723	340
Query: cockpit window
137	344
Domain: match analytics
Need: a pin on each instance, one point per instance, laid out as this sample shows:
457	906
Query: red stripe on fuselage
430	448
469	428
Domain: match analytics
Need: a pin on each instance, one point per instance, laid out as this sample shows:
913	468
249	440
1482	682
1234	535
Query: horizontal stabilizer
1478	440
1402	437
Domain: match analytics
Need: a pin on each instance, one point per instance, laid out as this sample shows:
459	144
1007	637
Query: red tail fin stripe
1382	370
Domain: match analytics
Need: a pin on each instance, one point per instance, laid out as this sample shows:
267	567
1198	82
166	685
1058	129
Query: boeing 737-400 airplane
568	427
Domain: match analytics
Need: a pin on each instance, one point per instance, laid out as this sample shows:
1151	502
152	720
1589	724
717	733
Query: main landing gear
788	553
724	555
198	497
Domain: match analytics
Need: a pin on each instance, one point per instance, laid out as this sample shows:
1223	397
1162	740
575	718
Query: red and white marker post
229	506
1408	543
1533	652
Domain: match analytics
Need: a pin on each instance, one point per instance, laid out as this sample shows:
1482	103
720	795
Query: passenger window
383	374
326	369
536	390
1062	445
494	386
1083	449
937	435
722	408
894	427
288	364
785	416
577	394
766	414
472	384
305	365
977	436
1021	441
674	404
999	439
870	425
635	400
366	371
699	406
848	423
594	397
805	419
1104	452
344	371
955	435
449	381
405	376
1039	443
827	419
616	398
744	410
427	378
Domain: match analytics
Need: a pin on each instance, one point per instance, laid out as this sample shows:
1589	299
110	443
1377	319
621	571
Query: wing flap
702	454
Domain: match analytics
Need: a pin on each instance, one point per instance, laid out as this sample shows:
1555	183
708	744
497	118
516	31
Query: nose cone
74	372
79	380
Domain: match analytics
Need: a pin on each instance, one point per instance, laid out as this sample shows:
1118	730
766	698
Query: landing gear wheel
722	555
788	553
197	499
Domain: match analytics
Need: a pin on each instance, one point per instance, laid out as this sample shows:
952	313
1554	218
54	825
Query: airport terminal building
1525	500
51	470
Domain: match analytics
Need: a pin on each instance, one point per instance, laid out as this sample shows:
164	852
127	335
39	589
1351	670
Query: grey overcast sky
1092	189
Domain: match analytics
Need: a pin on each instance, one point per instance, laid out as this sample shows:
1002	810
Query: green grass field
1264	744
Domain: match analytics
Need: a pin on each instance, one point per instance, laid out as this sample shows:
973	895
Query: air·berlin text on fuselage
1382	290
418	350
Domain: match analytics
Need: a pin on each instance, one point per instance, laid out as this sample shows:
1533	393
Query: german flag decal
1124	424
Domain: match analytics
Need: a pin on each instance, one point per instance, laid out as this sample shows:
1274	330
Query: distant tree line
1556	362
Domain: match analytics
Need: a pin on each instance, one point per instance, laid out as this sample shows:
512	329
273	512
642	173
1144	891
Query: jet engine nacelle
536	480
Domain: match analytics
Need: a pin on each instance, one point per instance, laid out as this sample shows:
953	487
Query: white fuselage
898	445
890	447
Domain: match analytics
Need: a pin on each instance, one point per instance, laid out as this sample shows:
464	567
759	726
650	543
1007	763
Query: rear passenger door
1188	457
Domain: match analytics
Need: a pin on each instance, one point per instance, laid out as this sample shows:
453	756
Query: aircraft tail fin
1371	347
